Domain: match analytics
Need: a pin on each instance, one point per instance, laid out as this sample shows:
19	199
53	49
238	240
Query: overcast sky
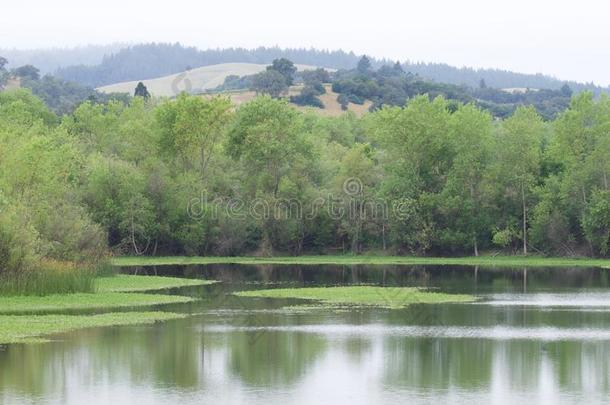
566	39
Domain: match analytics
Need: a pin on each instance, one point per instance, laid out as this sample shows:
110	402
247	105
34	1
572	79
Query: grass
329	99
28	329
112	292
126	283
387	297
489	261
49	277
82	301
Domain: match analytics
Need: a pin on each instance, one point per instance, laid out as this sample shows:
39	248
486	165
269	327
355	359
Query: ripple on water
600	300
547	334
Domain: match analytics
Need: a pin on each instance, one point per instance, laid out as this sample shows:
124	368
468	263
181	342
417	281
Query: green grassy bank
491	261
18	325
127	283
386	297
28	329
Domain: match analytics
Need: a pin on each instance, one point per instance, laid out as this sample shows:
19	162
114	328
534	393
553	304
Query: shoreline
489	261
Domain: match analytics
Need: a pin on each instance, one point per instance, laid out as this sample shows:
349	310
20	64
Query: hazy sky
567	39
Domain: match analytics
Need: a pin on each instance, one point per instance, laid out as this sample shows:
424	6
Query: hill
50	59
203	79
147	61
192	81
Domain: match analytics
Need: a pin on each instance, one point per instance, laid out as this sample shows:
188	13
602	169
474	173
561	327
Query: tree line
194	176
62	97
147	61
390	85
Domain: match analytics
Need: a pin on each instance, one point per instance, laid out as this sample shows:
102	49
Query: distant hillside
142	62
49	60
496	78
193	81
148	61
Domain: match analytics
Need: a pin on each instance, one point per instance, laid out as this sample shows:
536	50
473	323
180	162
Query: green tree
518	148
356	184
141	91
192	127
27	72
596	221
364	65
463	196
270	82
417	158
267	137
285	67
579	149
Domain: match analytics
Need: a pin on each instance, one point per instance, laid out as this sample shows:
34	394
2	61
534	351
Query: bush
343	100
355	99
596	221
17	243
24	269
308	97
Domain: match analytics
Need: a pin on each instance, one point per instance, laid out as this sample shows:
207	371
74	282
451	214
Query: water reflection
538	347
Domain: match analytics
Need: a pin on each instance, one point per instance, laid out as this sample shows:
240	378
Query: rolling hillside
329	99
195	81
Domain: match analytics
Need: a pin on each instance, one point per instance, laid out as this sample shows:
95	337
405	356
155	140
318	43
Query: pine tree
141	91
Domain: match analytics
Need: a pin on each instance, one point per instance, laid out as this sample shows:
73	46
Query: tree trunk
266	249
355	240
476	246
524	220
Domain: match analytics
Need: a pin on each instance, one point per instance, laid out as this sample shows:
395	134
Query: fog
564	39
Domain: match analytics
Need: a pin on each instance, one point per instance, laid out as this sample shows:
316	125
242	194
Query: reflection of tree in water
452	278
274	358
172	354
471	364
167	354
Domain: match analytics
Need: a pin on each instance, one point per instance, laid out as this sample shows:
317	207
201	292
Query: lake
536	335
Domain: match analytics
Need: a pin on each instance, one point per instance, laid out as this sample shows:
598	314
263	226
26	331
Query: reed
50	277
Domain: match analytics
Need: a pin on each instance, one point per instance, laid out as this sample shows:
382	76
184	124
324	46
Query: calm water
535	336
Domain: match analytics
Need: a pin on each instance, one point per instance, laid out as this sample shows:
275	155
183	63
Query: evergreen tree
141	91
364	65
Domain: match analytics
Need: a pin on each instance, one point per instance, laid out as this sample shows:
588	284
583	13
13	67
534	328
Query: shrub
308	97
17	243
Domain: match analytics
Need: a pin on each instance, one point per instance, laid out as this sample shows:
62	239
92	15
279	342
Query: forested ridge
387	85
147	61
197	176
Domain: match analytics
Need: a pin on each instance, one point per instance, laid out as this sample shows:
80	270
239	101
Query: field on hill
193	81
329	99
206	78
13	83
